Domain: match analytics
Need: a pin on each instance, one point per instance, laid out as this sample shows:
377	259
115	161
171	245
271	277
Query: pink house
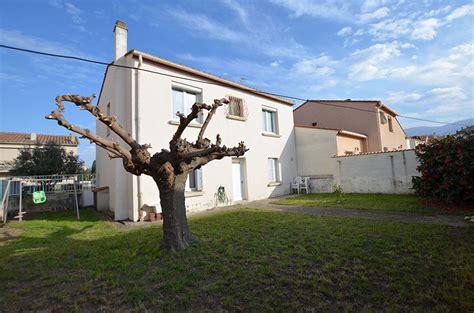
354	119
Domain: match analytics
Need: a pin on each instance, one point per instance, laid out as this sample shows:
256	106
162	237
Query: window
269	120
183	101
236	107
390	124
194	182
273	170
383	118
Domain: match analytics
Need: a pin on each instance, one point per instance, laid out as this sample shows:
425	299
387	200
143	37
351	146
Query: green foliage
447	169
49	159
337	190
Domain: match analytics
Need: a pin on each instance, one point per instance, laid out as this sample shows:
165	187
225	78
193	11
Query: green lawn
246	260
364	201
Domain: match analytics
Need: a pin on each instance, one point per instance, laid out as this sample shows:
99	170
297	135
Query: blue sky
416	56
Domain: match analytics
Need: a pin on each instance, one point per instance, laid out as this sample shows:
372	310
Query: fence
384	172
58	188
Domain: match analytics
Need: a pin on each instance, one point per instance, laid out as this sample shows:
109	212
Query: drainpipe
137	126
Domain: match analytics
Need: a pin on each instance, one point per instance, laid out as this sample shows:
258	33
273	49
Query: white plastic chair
304	185
295	184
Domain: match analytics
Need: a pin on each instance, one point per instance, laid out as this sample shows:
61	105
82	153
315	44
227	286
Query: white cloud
336	9
374	62
319	67
369	5
275	63
73	11
344	31
202	23
238	9
375	15
465	10
425	29
401	97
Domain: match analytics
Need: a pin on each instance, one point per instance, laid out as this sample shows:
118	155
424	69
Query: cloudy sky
416	56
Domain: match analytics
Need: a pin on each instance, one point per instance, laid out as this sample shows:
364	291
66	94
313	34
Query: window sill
195	125
271	135
275	183
237	118
190	194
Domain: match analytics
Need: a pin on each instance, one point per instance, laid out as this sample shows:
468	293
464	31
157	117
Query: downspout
137	126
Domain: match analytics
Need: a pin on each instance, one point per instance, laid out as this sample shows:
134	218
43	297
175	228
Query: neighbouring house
11	143
146	103
371	118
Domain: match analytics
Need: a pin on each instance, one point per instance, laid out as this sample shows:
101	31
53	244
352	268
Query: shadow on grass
245	260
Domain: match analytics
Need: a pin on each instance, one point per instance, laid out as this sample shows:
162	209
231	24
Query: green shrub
447	168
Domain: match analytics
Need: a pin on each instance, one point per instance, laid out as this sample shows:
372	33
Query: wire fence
49	184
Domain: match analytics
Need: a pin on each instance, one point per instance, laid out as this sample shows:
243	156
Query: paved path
451	220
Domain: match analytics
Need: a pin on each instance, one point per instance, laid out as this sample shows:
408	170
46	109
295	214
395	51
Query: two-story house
146	101
327	128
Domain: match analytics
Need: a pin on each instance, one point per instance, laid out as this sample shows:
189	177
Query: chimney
33	136
120	31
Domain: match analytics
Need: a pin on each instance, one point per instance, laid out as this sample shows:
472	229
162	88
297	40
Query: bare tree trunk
176	234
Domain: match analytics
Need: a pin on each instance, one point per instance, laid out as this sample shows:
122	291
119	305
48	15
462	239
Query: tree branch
85	103
200	142
113	147
185	120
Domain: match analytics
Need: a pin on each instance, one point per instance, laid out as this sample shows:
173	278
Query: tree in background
447	168
48	159
168	168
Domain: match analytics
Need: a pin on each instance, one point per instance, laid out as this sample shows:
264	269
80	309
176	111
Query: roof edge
208	76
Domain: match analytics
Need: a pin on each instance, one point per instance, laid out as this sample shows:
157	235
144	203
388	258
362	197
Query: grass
246	260
364	201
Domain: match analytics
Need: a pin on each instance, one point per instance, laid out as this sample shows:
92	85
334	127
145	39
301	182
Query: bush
447	168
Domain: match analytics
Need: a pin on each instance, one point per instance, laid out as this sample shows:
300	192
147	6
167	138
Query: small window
273	170
108	114
194	182
269	120
236	107
183	101
383	118
390	124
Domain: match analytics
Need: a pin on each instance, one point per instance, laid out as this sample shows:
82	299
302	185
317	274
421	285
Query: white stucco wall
382	172
152	95
314	149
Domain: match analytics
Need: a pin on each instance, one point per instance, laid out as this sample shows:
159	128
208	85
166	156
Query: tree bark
176	233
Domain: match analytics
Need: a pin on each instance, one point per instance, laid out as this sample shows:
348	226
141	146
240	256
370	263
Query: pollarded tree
168	168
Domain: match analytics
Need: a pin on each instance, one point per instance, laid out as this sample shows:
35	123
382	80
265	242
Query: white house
145	103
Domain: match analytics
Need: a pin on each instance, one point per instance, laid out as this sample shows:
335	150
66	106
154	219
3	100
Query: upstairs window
383	118
390	124
236	107
183	101
269	120
273	170
194	182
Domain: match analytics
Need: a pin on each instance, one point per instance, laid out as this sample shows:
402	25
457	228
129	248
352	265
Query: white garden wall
385	172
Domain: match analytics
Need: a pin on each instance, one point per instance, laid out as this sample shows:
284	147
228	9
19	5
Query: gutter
137	126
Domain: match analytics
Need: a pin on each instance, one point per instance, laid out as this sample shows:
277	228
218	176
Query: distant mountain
448	129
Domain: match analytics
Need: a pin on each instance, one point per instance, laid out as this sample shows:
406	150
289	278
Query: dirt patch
8	234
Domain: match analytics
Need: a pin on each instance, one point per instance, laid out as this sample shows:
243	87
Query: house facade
11	143
146	101
371	118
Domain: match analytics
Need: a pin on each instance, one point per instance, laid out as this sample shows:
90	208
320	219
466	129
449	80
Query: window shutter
178	104
264	121
199	179
271	170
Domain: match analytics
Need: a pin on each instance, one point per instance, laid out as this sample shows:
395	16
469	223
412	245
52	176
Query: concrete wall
389	172
314	149
151	96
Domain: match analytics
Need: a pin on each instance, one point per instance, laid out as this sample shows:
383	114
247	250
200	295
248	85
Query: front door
237	179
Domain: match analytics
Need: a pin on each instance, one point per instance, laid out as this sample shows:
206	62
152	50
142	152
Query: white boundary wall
385	172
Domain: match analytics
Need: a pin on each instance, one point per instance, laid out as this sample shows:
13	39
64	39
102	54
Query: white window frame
269	116
273	168
194	181
186	90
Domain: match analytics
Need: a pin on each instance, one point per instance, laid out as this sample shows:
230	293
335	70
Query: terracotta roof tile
370	153
25	138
